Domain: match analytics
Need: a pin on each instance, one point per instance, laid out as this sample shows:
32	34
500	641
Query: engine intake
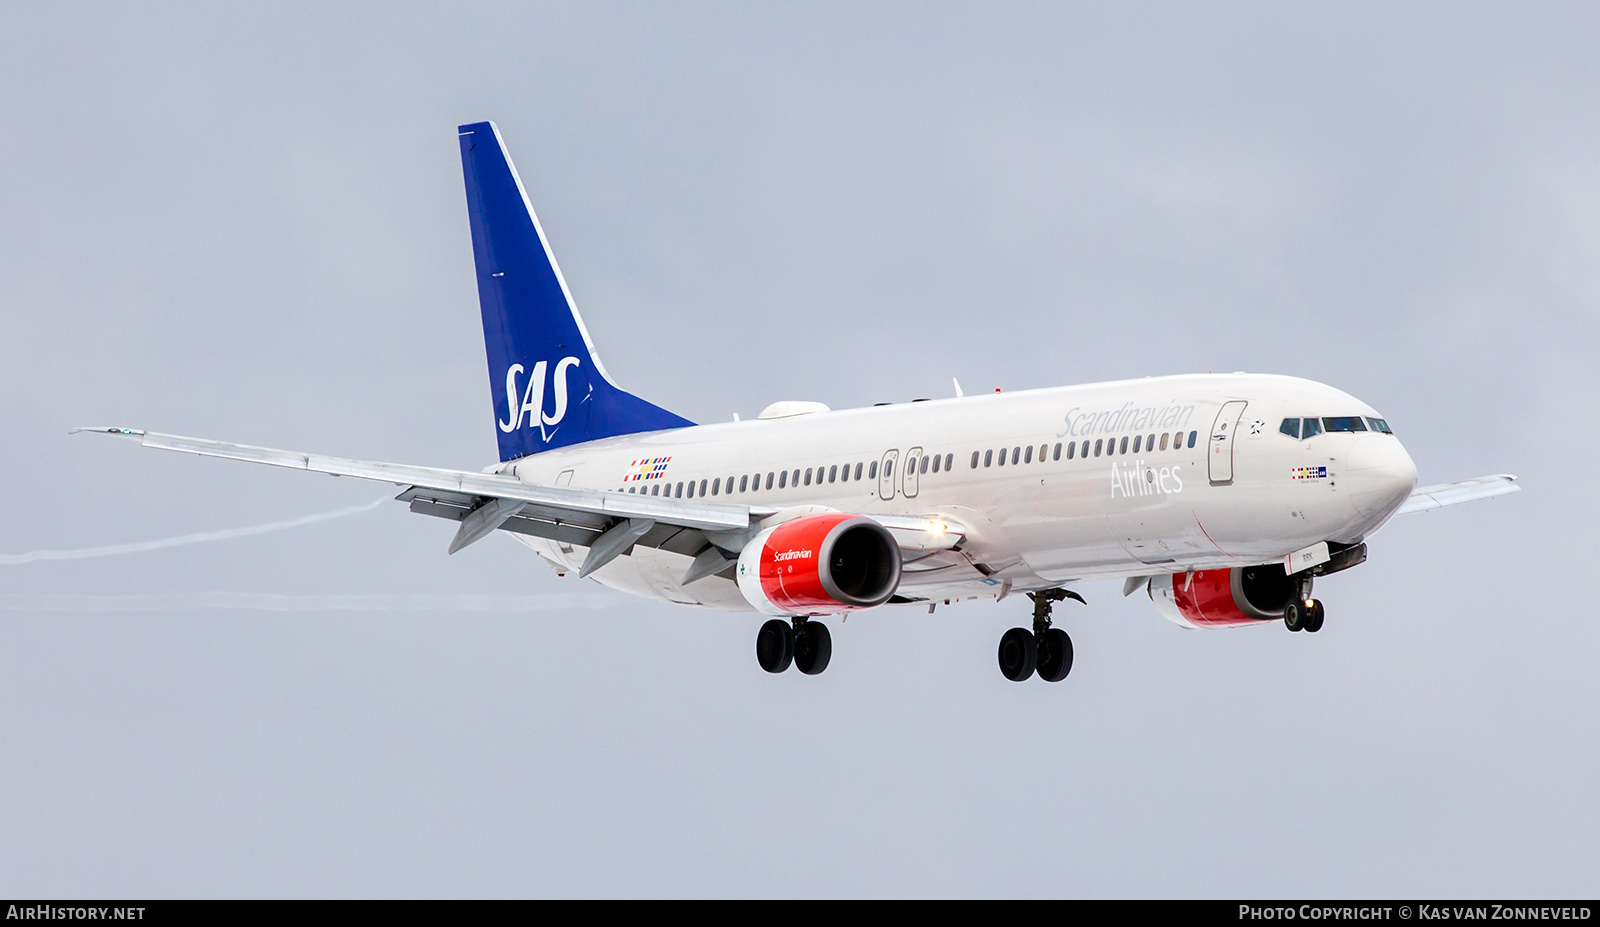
820	565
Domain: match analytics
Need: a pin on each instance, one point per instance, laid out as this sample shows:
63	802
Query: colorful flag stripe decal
650	468
1309	473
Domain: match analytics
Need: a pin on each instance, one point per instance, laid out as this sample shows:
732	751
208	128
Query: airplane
1221	497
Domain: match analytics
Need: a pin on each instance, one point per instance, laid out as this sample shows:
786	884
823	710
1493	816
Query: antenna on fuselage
959	393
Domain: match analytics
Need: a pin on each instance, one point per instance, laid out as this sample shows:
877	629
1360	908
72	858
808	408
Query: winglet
135	433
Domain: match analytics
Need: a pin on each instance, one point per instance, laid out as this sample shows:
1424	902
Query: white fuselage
1042	518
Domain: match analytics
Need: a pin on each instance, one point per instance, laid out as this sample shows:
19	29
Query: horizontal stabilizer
1428	498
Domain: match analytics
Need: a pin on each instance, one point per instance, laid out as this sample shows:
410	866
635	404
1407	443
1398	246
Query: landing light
936	527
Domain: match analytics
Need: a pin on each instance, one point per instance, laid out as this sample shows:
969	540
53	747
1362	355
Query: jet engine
820	565
1223	598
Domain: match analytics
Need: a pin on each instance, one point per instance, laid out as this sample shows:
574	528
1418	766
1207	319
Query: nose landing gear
807	644
1303	615
1045	650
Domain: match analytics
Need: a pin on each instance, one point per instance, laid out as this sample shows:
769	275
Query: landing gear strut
807	644
1046	650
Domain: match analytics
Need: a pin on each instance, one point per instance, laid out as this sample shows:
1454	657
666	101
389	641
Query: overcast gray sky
250	225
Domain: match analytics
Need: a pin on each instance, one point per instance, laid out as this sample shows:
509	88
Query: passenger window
783	479
832	472
655	490
936	461
691	489
1016	453
744	482
1028	458
872	470
1164	438
1345	423
1057	455
632	490
844	474
1379	424
716	484
679	492
1138	440
770	475
1072	447
1124	445
1290	427
1149	443
1310	427
1096	446
974	460
858	471
988	458
808	476
1192	436
888	469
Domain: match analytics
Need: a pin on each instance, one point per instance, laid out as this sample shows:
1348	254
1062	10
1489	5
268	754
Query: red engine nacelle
820	565
1224	598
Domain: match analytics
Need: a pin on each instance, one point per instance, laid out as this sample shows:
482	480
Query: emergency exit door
886	474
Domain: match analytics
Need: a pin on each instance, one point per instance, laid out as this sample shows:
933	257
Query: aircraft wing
605	521
1428	498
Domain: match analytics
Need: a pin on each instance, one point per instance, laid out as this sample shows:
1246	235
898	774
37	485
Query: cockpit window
1343	423
1378	424
1290	427
1310	427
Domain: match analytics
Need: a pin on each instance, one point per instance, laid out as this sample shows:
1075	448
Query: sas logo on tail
531	407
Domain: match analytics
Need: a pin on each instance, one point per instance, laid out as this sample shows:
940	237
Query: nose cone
1379	475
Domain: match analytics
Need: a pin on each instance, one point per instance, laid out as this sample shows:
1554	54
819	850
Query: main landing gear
1303	615
807	644
1044	650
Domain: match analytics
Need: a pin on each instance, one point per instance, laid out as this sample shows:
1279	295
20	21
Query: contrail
141	546
273	602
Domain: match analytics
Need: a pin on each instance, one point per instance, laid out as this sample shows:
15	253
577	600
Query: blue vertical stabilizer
548	385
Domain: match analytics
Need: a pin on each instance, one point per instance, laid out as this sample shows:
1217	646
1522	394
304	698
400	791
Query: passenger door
886	474
1220	462
908	483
